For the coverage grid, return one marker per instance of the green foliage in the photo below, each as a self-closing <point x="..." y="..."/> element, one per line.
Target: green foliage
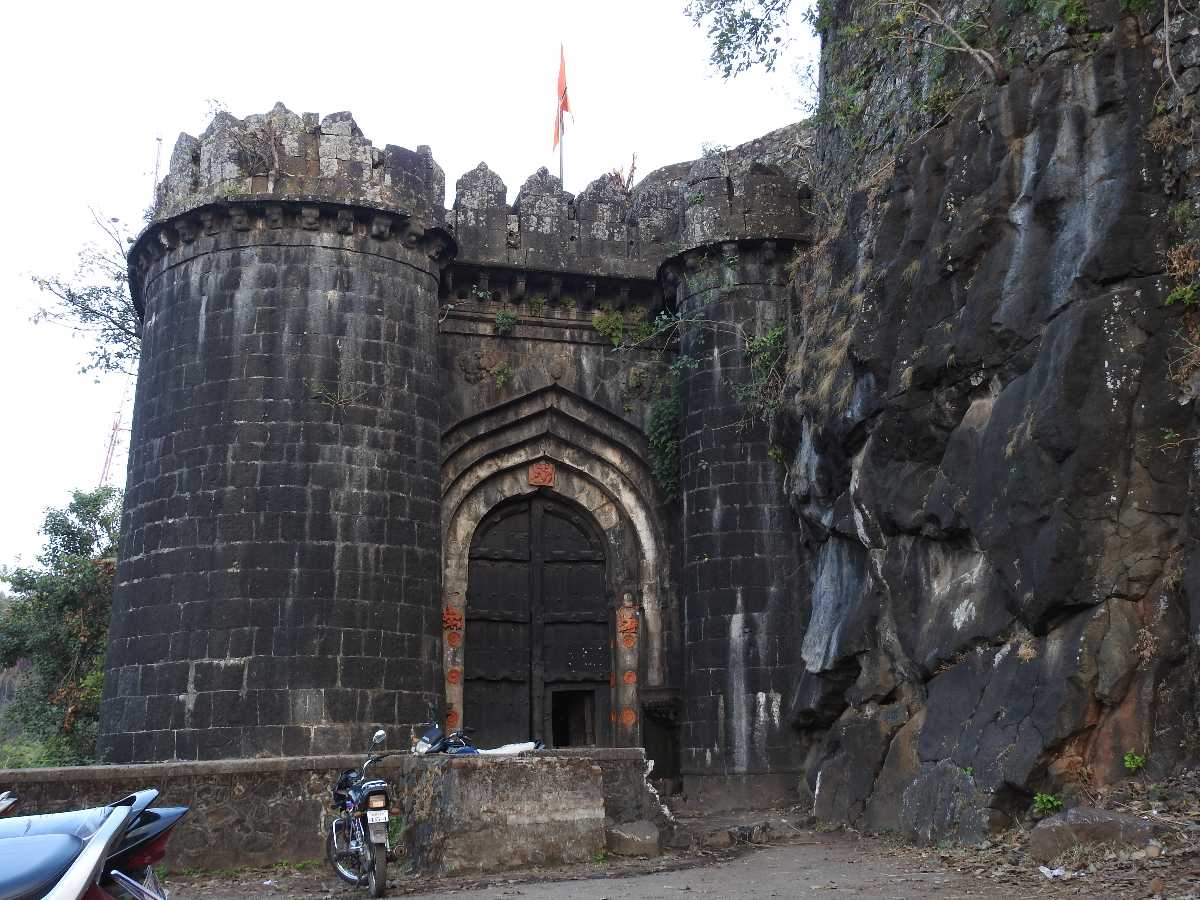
<point x="1185" y="295"/>
<point x="1072" y="12"/>
<point x="665" y="420"/>
<point x="743" y="33"/>
<point x="643" y="332"/>
<point x="95" y="302"/>
<point x="610" y="324"/>
<point x="502" y="374"/>
<point x="1137" y="7"/>
<point x="505" y="322"/>
<point x="1046" y="804"/>
<point x="58" y="621"/>
<point x="1184" y="219"/>
<point x="397" y="825"/>
<point x="480" y="294"/>
<point x="1134" y="763"/>
<point x="763" y="393"/>
<point x="819" y="16"/>
<point x="537" y="305"/>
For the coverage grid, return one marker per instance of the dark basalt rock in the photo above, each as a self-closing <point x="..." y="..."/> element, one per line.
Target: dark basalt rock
<point x="1083" y="826"/>
<point x="978" y="472"/>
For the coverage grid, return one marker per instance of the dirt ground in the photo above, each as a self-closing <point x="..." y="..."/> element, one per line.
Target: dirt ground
<point x="809" y="864"/>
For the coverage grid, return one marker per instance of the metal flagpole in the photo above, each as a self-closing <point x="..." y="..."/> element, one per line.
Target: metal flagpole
<point x="562" y="135"/>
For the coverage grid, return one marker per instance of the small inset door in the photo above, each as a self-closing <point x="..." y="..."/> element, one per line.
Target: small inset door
<point x="536" y="652"/>
<point x="572" y="718"/>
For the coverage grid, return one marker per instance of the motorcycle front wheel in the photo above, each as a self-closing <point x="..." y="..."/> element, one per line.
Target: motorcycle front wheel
<point x="345" y="861"/>
<point x="377" y="874"/>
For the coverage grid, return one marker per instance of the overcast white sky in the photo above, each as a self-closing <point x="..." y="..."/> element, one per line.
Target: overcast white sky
<point x="89" y="86"/>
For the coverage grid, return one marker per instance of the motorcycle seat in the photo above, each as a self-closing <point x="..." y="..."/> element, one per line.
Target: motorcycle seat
<point x="80" y="823"/>
<point x="30" y="866"/>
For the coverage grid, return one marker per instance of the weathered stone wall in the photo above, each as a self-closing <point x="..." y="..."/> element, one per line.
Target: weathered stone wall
<point x="277" y="591"/>
<point x="465" y="814"/>
<point x="741" y="580"/>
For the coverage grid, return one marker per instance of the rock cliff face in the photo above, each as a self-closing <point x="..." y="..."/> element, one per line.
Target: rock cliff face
<point x="983" y="427"/>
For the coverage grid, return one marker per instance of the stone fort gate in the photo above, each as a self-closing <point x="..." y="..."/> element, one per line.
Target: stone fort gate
<point x="387" y="462"/>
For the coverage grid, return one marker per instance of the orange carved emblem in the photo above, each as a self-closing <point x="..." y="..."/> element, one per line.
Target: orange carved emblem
<point x="454" y="676"/>
<point x="627" y="626"/>
<point x="541" y="474"/>
<point x="628" y="717"/>
<point x="454" y="638"/>
<point x="452" y="619"/>
<point x="629" y="677"/>
<point x="452" y="719"/>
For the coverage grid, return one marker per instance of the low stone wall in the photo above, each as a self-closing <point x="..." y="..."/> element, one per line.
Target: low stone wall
<point x="461" y="814"/>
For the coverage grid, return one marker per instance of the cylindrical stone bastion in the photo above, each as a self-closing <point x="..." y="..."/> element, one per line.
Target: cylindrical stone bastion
<point x="277" y="592"/>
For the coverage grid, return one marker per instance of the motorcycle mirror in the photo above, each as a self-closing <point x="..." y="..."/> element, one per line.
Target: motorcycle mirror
<point x="379" y="737"/>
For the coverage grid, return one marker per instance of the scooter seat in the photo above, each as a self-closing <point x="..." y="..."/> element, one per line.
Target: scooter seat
<point x="30" y="866"/>
<point x="80" y="823"/>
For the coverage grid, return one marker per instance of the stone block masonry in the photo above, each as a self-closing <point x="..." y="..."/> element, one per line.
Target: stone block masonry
<point x="278" y="587"/>
<point x="460" y="814"/>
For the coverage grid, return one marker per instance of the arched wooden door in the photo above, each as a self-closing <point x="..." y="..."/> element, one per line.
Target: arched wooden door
<point x="537" y="653"/>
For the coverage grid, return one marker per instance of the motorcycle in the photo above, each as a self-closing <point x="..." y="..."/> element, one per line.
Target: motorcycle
<point x="38" y="852"/>
<point x="7" y="801"/>
<point x="456" y="743"/>
<point x="357" y="843"/>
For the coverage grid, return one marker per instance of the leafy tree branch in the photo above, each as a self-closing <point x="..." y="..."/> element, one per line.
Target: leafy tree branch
<point x="96" y="303"/>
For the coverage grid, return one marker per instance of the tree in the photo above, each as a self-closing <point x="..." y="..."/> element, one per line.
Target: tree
<point x="744" y="33"/>
<point x="95" y="302"/>
<point x="57" y="620"/>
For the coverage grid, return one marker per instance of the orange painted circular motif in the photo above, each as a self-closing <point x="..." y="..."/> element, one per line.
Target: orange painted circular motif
<point x="629" y="677"/>
<point x="629" y="640"/>
<point x="452" y="719"/>
<point x="454" y="676"/>
<point x="454" y="638"/>
<point x="628" y="717"/>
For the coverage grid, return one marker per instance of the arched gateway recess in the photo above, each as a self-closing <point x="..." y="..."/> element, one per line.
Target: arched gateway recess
<point x="537" y="626"/>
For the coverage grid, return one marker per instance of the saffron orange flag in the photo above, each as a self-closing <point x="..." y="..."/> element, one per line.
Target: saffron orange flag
<point x="564" y="105"/>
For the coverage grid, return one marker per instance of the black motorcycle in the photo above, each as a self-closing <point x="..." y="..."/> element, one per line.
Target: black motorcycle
<point x="457" y="743"/>
<point x="434" y="740"/>
<point x="357" y="843"/>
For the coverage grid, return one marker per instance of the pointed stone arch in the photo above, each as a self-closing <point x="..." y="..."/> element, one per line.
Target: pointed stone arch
<point x="598" y="462"/>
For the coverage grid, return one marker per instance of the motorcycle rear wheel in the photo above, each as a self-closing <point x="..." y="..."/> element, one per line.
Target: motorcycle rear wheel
<point x="377" y="874"/>
<point x="342" y="858"/>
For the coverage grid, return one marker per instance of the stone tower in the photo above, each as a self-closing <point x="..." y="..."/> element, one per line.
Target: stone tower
<point x="742" y="568"/>
<point x="278" y="591"/>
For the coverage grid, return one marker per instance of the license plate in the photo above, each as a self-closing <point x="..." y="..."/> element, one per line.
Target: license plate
<point x="376" y="815"/>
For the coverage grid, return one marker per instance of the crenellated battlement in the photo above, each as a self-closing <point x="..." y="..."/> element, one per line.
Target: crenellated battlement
<point x="603" y="245"/>
<point x="284" y="155"/>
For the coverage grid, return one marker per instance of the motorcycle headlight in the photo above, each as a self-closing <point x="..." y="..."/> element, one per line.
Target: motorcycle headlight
<point x="376" y="801"/>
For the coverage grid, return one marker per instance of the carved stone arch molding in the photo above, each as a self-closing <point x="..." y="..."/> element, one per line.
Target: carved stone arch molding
<point x="556" y="442"/>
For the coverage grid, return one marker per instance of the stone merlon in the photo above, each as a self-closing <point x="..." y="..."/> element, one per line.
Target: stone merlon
<point x="754" y="190"/>
<point x="284" y="155"/>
